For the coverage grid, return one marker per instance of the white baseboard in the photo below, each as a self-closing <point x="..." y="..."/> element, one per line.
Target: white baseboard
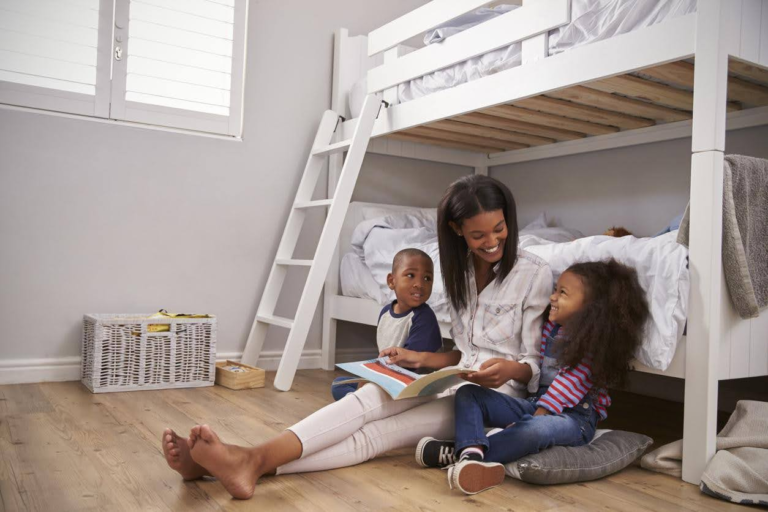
<point x="62" y="369"/>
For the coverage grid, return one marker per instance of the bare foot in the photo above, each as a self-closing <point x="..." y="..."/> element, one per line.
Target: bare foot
<point x="176" y="450"/>
<point x="237" y="468"/>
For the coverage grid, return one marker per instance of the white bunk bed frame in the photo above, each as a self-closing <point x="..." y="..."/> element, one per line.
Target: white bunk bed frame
<point x="723" y="36"/>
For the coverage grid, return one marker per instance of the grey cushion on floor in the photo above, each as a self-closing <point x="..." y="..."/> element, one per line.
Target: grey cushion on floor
<point x="608" y="453"/>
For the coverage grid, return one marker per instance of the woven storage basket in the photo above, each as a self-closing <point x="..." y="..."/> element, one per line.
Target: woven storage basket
<point x="120" y="354"/>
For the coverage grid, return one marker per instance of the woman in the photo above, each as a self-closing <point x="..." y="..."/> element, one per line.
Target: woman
<point x="498" y="295"/>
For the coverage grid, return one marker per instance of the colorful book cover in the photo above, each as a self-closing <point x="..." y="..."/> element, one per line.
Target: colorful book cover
<point x="401" y="383"/>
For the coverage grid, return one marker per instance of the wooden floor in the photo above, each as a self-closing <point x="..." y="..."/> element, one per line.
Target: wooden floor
<point x="65" y="449"/>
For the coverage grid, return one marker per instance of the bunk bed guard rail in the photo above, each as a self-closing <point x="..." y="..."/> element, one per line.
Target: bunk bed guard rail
<point x="529" y="24"/>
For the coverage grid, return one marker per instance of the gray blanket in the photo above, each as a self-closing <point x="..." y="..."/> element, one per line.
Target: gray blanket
<point x="745" y="232"/>
<point x="739" y="470"/>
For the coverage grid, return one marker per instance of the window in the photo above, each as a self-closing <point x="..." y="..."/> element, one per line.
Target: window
<point x="177" y="63"/>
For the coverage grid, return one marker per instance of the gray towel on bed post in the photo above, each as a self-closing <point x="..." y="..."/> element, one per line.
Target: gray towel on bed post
<point x="745" y="232"/>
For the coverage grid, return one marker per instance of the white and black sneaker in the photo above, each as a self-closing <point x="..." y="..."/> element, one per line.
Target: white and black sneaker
<point x="434" y="453"/>
<point x="473" y="476"/>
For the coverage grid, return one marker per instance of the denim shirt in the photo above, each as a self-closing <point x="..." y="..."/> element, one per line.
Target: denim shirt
<point x="504" y="321"/>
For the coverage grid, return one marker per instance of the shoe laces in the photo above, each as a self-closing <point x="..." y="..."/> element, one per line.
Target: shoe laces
<point x="446" y="456"/>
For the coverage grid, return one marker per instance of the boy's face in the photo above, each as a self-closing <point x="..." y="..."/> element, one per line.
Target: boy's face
<point x="412" y="281"/>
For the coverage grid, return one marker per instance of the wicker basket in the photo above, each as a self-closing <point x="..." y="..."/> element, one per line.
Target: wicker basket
<point x="120" y="353"/>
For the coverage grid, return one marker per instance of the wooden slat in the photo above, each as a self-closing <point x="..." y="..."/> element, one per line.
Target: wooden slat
<point x="407" y="137"/>
<point x="654" y="92"/>
<point x="500" y="145"/>
<point x="681" y="75"/>
<point x="756" y="73"/>
<point x="531" y="116"/>
<point x="676" y="73"/>
<point x="491" y="133"/>
<point x="501" y="123"/>
<point x="747" y="92"/>
<point x="584" y="113"/>
<point x="608" y="101"/>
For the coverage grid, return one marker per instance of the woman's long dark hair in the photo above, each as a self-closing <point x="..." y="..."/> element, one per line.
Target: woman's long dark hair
<point x="465" y="198"/>
<point x="609" y="327"/>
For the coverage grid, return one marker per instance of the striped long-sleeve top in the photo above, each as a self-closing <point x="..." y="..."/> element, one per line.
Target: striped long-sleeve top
<point x="567" y="386"/>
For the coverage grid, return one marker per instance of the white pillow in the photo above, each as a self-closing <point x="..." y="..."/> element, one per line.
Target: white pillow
<point x="662" y="269"/>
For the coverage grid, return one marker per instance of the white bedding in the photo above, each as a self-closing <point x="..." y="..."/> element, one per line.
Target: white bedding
<point x="591" y="20"/>
<point x="661" y="264"/>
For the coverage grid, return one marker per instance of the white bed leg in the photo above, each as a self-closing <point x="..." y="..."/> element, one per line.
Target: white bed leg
<point x="331" y="288"/>
<point x="705" y="314"/>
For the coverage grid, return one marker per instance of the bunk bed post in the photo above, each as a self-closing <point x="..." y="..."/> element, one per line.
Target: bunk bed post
<point x="335" y="164"/>
<point x="706" y="203"/>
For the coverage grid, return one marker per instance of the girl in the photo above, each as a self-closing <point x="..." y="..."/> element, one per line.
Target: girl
<point x="596" y="319"/>
<point x="499" y="295"/>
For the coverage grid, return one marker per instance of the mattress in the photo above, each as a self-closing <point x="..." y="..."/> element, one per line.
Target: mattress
<point x="661" y="263"/>
<point x="591" y="21"/>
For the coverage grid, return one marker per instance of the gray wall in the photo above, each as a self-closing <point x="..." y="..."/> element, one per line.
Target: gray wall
<point x="641" y="187"/>
<point x="106" y="218"/>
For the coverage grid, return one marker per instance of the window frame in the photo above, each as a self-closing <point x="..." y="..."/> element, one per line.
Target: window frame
<point x="109" y="99"/>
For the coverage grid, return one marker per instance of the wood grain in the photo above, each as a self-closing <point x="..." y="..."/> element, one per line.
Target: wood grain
<point x="66" y="449"/>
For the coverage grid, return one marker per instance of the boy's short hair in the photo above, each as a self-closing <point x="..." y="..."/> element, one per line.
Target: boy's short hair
<point x="398" y="259"/>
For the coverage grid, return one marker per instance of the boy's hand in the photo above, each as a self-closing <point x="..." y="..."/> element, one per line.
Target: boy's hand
<point x="492" y="374"/>
<point x="402" y="356"/>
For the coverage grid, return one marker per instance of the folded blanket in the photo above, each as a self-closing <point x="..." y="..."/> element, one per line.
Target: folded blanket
<point x="739" y="470"/>
<point x="745" y="232"/>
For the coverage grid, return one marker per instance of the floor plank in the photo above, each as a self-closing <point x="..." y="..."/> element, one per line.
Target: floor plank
<point x="64" y="448"/>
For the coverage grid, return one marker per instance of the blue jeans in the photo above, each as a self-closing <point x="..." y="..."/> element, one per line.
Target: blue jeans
<point x="478" y="407"/>
<point x="339" y="391"/>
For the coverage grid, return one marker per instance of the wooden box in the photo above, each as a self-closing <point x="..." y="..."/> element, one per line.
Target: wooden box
<point x="250" y="376"/>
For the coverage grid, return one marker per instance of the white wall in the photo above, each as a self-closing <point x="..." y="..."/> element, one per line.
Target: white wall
<point x="105" y="218"/>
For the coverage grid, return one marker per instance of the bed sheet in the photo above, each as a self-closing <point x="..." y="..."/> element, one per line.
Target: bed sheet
<point x="591" y="21"/>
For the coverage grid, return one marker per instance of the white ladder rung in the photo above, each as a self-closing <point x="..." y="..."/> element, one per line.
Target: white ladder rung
<point x="313" y="204"/>
<point x="326" y="246"/>
<point x="332" y="148"/>
<point x="293" y="263"/>
<point x="275" y="320"/>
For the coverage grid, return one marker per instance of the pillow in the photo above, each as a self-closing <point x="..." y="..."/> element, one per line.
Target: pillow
<point x="662" y="268"/>
<point x="610" y="451"/>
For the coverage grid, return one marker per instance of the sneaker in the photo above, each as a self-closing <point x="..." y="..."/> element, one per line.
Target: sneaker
<point x="472" y="477"/>
<point x="433" y="453"/>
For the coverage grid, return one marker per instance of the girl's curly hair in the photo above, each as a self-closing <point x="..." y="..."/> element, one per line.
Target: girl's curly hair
<point x="609" y="327"/>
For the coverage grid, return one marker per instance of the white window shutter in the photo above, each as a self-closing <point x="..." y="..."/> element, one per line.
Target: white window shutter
<point x="50" y="55"/>
<point x="182" y="63"/>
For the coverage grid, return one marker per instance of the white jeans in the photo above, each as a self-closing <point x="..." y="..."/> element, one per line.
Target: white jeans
<point x="365" y="424"/>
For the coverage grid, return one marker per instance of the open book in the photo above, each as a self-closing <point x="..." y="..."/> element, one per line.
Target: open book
<point x="402" y="383"/>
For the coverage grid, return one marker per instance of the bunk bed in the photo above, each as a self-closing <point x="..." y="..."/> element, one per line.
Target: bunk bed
<point x="632" y="87"/>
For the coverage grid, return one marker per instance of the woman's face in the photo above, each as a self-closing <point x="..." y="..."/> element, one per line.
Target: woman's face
<point x="485" y="234"/>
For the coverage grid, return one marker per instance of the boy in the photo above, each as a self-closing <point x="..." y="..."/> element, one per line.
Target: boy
<point x="408" y="321"/>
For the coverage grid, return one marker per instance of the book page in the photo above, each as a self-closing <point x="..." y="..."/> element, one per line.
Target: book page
<point x="401" y="383"/>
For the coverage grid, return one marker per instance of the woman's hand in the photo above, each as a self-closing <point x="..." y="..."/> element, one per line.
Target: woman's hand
<point x="493" y="373"/>
<point x="403" y="357"/>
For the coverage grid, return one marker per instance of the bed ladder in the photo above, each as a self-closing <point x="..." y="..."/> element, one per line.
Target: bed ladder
<point x="319" y="265"/>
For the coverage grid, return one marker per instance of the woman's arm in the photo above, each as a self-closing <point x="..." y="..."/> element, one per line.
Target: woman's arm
<point x="495" y="372"/>
<point x="413" y="359"/>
